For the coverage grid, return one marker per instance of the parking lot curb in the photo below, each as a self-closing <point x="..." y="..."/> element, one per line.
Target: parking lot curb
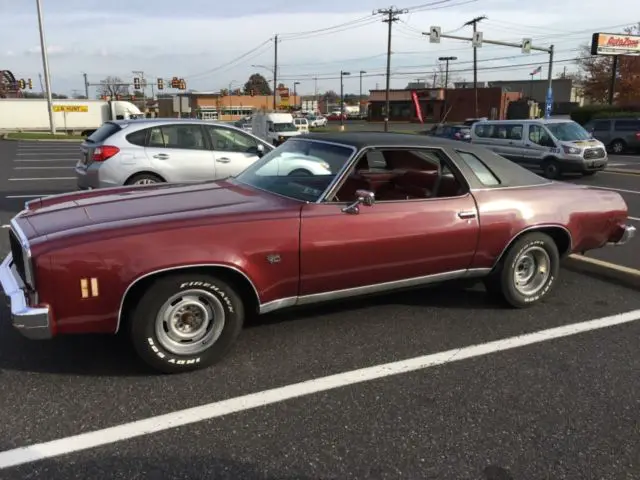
<point x="622" y="170"/>
<point x="628" y="277"/>
<point x="65" y="140"/>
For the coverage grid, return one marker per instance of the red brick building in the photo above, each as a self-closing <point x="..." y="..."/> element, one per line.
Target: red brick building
<point x="434" y="102"/>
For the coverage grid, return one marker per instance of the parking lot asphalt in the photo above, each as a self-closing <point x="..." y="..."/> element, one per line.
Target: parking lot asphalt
<point x="563" y="408"/>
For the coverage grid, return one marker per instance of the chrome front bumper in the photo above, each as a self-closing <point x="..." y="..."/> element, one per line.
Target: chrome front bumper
<point x="628" y="234"/>
<point x="32" y="322"/>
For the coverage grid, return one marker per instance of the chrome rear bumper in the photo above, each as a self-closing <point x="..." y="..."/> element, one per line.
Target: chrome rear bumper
<point x="628" y="233"/>
<point x="31" y="322"/>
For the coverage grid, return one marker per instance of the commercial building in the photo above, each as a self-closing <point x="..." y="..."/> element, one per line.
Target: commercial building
<point x="438" y="104"/>
<point x="216" y="106"/>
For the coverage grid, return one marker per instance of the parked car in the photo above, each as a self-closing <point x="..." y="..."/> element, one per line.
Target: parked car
<point x="554" y="146"/>
<point x="138" y="152"/>
<point x="618" y="134"/>
<point x="177" y="268"/>
<point x="317" y="121"/>
<point x="301" y="124"/>
<point x="454" y="132"/>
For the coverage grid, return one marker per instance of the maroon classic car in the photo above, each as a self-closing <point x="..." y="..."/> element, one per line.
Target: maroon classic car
<point x="178" y="267"/>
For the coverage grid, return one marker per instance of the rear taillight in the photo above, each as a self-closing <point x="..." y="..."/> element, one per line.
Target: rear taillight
<point x="638" y="135"/>
<point x="100" y="154"/>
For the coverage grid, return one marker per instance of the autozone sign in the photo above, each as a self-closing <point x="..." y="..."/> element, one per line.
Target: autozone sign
<point x="615" y="44"/>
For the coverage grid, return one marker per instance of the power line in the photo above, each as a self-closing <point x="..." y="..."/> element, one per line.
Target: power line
<point x="231" y="62"/>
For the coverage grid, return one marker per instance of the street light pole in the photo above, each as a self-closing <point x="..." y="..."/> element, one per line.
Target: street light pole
<point x="342" y="74"/>
<point x="360" y="97"/>
<point x="295" y="93"/>
<point x="45" y="66"/>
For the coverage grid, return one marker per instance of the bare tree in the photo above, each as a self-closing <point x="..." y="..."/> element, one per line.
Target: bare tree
<point x="112" y="86"/>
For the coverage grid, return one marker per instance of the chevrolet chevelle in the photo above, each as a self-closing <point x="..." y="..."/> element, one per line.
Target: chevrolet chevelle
<point x="178" y="267"/>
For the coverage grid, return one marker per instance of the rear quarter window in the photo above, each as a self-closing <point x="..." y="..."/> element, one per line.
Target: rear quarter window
<point x="138" y="138"/>
<point x="105" y="131"/>
<point x="484" y="173"/>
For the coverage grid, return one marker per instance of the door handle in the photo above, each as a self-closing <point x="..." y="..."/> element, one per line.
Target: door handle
<point x="161" y="156"/>
<point x="223" y="160"/>
<point x="467" y="214"/>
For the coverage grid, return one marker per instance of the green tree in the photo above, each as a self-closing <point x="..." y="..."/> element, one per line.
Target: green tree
<point x="258" y="84"/>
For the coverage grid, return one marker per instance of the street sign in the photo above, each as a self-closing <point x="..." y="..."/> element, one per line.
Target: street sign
<point x="526" y="45"/>
<point x="435" y="33"/>
<point x="476" y="40"/>
<point x="548" y="106"/>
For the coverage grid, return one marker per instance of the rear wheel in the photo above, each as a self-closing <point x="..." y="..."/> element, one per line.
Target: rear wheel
<point x="551" y="169"/>
<point x="527" y="272"/>
<point x="186" y="322"/>
<point x="144" y="179"/>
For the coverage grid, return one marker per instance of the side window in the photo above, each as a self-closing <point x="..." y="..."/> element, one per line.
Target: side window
<point x="539" y="136"/>
<point x="601" y="126"/>
<point x="227" y="140"/>
<point x="484" y="173"/>
<point x="138" y="138"/>
<point x="401" y="174"/>
<point x="515" y="132"/>
<point x="627" y="125"/>
<point x="184" y="137"/>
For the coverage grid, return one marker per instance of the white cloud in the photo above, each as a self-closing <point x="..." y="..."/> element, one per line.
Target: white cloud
<point x="105" y="44"/>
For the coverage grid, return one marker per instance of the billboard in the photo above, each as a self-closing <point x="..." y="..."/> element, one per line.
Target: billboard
<point x="615" y="44"/>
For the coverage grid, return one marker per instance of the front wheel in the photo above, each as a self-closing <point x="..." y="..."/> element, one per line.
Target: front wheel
<point x="618" y="146"/>
<point x="551" y="169"/>
<point x="186" y="322"/>
<point x="528" y="271"/>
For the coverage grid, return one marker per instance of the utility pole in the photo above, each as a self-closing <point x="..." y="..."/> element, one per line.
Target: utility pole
<point x="474" y="22"/>
<point x="360" y="97"/>
<point x="391" y="17"/>
<point x="342" y="75"/>
<point x="612" y="82"/>
<point x="275" y="71"/>
<point x="446" y="79"/>
<point x="86" y="85"/>
<point x="315" y="89"/>
<point x="45" y="67"/>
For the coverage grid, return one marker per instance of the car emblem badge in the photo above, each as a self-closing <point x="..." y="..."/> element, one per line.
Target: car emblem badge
<point x="273" y="258"/>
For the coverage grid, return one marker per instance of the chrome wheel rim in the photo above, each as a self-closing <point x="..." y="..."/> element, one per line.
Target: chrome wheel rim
<point x="190" y="322"/>
<point x="532" y="271"/>
<point x="144" y="181"/>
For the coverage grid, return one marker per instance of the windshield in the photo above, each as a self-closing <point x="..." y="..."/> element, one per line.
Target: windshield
<point x="284" y="127"/>
<point x="568" y="131"/>
<point x="300" y="169"/>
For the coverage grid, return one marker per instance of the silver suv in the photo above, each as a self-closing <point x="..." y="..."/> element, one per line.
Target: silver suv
<point x="130" y="152"/>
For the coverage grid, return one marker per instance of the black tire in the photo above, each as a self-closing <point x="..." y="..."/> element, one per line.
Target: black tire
<point x="502" y="282"/>
<point x="618" y="146"/>
<point x="551" y="169"/>
<point x="300" y="172"/>
<point x="161" y="351"/>
<point x="143" y="179"/>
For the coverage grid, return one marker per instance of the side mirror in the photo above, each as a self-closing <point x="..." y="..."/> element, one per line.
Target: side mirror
<point x="363" y="197"/>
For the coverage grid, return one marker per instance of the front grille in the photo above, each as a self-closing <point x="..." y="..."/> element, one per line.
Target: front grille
<point x="18" y="255"/>
<point x="592" y="153"/>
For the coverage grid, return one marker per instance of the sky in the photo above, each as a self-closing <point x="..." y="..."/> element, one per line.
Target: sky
<point x="215" y="44"/>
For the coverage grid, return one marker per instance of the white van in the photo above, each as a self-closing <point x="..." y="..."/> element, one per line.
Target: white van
<point x="274" y="128"/>
<point x="301" y="124"/>
<point x="555" y="146"/>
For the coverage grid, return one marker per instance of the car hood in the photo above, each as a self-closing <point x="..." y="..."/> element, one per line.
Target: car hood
<point x="130" y="206"/>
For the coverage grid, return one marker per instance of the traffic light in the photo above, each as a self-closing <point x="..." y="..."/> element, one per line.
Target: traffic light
<point x="30" y="84"/>
<point x="175" y="83"/>
<point x="136" y="83"/>
<point x="183" y="84"/>
<point x="21" y="84"/>
<point x="160" y="84"/>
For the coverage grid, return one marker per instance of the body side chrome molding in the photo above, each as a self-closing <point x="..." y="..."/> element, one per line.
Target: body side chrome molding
<point x="181" y="267"/>
<point x="371" y="289"/>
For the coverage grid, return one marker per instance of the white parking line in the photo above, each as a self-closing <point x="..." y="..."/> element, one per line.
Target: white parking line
<point x="35" y="179"/>
<point x="83" y="441"/>
<point x="635" y="219"/>
<point x="617" y="189"/>
<point x="28" y="196"/>
<point x="45" y="154"/>
<point x="46" y="160"/>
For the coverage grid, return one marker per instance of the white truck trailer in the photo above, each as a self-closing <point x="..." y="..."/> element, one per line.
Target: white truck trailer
<point x="273" y="127"/>
<point x="72" y="116"/>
